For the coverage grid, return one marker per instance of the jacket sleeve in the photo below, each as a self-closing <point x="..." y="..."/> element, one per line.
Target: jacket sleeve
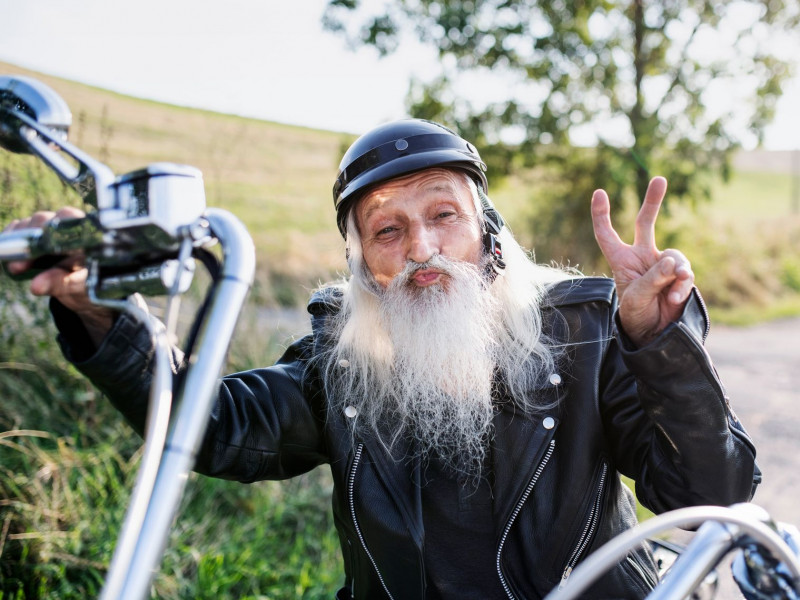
<point x="265" y="424"/>
<point x="678" y="437"/>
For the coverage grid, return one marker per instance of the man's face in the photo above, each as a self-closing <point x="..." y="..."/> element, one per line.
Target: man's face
<point x="414" y="218"/>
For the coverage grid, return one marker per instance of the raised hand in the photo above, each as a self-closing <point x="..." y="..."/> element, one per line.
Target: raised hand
<point x="67" y="280"/>
<point x="653" y="285"/>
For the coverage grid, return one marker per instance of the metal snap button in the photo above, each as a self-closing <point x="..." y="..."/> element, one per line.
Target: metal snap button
<point x="548" y="422"/>
<point x="350" y="412"/>
<point x="555" y="379"/>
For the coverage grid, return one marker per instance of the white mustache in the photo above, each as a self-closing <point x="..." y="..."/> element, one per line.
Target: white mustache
<point x="437" y="261"/>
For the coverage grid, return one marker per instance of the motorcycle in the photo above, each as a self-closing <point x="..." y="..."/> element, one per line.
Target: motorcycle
<point x="144" y="235"/>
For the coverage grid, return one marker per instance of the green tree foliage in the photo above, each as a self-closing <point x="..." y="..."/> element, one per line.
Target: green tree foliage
<point x="639" y="82"/>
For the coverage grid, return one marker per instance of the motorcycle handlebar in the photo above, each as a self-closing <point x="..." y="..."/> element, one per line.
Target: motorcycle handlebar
<point x="19" y="244"/>
<point x="48" y="245"/>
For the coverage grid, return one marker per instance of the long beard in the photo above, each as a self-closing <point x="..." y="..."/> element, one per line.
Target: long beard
<point x="427" y="375"/>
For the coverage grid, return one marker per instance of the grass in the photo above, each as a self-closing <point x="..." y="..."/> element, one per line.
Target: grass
<point x="751" y="195"/>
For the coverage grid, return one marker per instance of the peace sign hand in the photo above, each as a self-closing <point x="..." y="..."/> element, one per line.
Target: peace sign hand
<point x="652" y="285"/>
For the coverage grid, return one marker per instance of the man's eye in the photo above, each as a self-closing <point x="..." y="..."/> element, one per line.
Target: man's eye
<point x="445" y="214"/>
<point x="385" y="231"/>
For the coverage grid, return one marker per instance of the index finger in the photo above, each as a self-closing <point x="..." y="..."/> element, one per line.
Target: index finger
<point x="604" y="231"/>
<point x="69" y="212"/>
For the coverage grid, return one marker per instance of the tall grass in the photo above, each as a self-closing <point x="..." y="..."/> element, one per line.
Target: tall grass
<point x="68" y="463"/>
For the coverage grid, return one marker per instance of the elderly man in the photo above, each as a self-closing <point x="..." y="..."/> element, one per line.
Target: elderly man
<point x="475" y="408"/>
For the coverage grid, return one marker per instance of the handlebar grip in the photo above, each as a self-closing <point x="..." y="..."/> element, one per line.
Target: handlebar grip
<point x="39" y="265"/>
<point x="19" y="244"/>
<point x="48" y="245"/>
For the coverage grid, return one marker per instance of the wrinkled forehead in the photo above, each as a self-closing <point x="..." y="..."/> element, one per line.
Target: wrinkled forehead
<point x="448" y="182"/>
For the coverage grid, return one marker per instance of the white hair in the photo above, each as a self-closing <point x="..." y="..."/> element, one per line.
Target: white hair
<point x="425" y="365"/>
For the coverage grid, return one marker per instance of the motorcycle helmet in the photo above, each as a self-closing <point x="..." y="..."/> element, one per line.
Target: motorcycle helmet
<point x="400" y="148"/>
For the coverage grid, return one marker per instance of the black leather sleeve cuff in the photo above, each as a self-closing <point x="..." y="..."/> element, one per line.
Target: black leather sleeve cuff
<point x="78" y="347"/>
<point x="74" y="340"/>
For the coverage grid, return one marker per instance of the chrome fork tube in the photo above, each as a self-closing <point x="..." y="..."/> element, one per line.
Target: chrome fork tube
<point x="194" y="402"/>
<point x="154" y="437"/>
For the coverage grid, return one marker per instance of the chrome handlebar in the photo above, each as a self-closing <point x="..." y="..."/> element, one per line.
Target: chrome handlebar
<point x="721" y="530"/>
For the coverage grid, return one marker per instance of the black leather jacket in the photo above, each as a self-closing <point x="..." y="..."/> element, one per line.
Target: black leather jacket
<point x="658" y="415"/>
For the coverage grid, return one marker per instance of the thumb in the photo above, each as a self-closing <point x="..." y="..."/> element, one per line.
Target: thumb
<point x="658" y="277"/>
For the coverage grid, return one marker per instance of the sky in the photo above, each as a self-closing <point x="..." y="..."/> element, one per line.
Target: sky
<point x="268" y="59"/>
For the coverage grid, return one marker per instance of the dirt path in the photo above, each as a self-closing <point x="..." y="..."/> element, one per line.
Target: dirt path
<point x="760" y="368"/>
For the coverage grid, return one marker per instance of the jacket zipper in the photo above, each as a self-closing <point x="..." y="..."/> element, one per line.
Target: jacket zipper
<point x="350" y="494"/>
<point x="588" y="530"/>
<point x="704" y="309"/>
<point x="516" y="512"/>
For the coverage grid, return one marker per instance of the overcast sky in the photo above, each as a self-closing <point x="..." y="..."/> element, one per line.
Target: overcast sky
<point x="267" y="59"/>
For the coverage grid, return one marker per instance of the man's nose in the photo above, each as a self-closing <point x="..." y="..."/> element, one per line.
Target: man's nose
<point x="423" y="243"/>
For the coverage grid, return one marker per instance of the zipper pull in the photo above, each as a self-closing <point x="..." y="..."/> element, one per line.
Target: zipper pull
<point x="564" y="577"/>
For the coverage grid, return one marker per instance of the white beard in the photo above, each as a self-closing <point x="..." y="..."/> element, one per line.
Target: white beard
<point x="444" y="347"/>
<point x="421" y="364"/>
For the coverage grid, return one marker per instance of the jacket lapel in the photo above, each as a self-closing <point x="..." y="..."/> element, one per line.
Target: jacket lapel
<point x="401" y="477"/>
<point x="520" y="444"/>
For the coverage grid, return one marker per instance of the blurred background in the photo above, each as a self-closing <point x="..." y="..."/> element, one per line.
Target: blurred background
<point x="264" y="97"/>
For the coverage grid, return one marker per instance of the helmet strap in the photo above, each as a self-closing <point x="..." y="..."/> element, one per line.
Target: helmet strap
<point x="492" y="224"/>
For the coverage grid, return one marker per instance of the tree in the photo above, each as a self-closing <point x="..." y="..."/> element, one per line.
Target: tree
<point x="644" y="88"/>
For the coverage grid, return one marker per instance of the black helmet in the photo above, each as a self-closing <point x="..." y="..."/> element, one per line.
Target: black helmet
<point x="399" y="148"/>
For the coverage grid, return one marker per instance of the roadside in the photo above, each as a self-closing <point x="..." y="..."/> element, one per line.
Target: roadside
<point x="758" y="366"/>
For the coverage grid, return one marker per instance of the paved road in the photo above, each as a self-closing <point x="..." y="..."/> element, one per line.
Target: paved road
<point x="760" y="367"/>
